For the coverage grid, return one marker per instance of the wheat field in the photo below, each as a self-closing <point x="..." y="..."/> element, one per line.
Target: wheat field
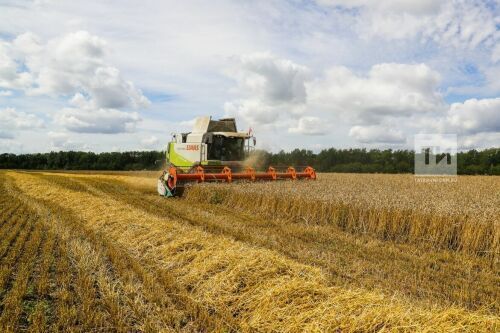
<point x="347" y="253"/>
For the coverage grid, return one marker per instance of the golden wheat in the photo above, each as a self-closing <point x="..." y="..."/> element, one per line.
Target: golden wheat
<point x="355" y="260"/>
<point x="460" y="216"/>
<point x="210" y="280"/>
<point x="56" y="279"/>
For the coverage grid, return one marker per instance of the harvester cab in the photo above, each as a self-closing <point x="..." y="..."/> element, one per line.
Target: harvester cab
<point x="214" y="151"/>
<point x="210" y="143"/>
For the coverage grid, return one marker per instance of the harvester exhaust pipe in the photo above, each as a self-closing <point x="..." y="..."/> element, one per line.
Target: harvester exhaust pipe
<point x="171" y="181"/>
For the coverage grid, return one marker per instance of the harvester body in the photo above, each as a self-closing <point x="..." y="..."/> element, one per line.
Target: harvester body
<point x="214" y="151"/>
<point x="212" y="142"/>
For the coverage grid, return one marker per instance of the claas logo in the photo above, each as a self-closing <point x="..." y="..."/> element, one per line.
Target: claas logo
<point x="192" y="147"/>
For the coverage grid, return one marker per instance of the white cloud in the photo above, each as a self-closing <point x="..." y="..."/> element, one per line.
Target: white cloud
<point x="27" y="44"/>
<point x="150" y="142"/>
<point x="254" y="112"/>
<point x="105" y="121"/>
<point x="6" y="135"/>
<point x="479" y="140"/>
<point x="462" y="24"/>
<point x="109" y="90"/>
<point x="475" y="116"/>
<point x="58" y="137"/>
<point x="162" y="50"/>
<point x="309" y="126"/>
<point x="408" y="6"/>
<point x="388" y="90"/>
<point x="84" y="117"/>
<point x="73" y="64"/>
<point x="67" y="64"/>
<point x="270" y="86"/>
<point x="10" y="146"/>
<point x="374" y="105"/>
<point x="187" y="124"/>
<point x="62" y="141"/>
<point x="10" y="77"/>
<point x="274" y="80"/>
<point x="5" y="93"/>
<point x="495" y="54"/>
<point x="377" y="134"/>
<point x="14" y="120"/>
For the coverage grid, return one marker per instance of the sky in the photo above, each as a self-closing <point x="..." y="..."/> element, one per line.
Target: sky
<point x="124" y="75"/>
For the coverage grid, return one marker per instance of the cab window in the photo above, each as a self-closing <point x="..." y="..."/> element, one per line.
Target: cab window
<point x="226" y="149"/>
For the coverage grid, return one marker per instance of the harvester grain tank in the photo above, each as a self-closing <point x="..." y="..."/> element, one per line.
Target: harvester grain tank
<point x="214" y="151"/>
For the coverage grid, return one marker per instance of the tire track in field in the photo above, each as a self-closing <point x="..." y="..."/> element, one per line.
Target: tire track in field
<point x="7" y="211"/>
<point x="16" y="226"/>
<point x="14" y="250"/>
<point x="32" y="265"/>
<point x="20" y="259"/>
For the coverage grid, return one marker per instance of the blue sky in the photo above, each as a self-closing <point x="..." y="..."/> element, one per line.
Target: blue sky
<point x="102" y="76"/>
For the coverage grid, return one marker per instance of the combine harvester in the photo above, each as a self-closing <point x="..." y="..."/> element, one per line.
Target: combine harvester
<point x="215" y="152"/>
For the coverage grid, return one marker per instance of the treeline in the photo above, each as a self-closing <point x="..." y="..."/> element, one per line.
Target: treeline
<point x="328" y="160"/>
<point x="472" y="162"/>
<point x="78" y="160"/>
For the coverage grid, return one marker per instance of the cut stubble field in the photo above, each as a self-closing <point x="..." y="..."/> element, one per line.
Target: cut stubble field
<point x="351" y="253"/>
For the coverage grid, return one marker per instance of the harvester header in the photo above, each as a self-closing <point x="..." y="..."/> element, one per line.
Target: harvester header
<point x="214" y="151"/>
